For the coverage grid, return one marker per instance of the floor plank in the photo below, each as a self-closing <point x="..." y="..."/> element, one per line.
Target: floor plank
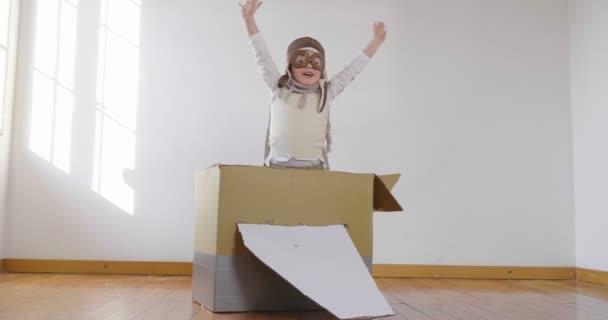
<point x="92" y="297"/>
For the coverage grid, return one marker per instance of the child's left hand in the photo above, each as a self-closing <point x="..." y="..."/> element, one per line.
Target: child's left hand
<point x="379" y="31"/>
<point x="379" y="37"/>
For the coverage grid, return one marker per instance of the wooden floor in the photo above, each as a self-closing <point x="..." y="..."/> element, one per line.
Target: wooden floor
<point x="50" y="296"/>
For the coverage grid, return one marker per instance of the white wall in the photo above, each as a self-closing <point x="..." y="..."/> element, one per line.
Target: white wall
<point x="5" y="136"/>
<point x="589" y="49"/>
<point x="469" y="99"/>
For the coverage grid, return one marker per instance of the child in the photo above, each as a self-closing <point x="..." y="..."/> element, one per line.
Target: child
<point x="298" y="134"/>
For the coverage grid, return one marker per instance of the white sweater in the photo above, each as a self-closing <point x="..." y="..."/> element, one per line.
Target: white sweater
<point x="294" y="132"/>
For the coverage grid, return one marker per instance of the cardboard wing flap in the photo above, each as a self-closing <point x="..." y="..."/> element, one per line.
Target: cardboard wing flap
<point x="321" y="262"/>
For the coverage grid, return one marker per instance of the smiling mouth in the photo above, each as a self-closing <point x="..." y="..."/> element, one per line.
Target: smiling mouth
<point x="308" y="74"/>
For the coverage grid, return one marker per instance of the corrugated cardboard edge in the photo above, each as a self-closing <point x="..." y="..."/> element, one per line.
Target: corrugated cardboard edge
<point x="388" y="179"/>
<point x="206" y="243"/>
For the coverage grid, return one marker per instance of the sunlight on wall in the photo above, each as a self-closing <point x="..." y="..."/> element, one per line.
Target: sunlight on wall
<point x="117" y="99"/>
<point x="53" y="81"/>
<point x="5" y="9"/>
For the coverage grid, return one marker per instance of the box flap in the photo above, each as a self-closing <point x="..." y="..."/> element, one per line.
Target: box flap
<point x="321" y="262"/>
<point x="383" y="198"/>
<point x="390" y="180"/>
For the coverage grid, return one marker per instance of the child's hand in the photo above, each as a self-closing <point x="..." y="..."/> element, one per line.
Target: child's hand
<point x="379" y="37"/>
<point x="249" y="8"/>
<point x="379" y="31"/>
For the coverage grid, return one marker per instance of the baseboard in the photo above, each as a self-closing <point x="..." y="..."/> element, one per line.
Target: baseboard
<point x="472" y="272"/>
<point x="98" y="267"/>
<point x="592" y="276"/>
<point x="378" y="270"/>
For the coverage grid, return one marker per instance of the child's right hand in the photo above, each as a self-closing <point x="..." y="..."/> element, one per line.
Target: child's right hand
<point x="249" y="8"/>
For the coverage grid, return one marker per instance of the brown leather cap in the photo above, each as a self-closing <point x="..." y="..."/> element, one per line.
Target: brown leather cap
<point x="304" y="43"/>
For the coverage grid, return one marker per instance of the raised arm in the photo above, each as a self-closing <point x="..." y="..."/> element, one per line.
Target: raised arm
<point x="348" y="74"/>
<point x="377" y="40"/>
<point x="248" y="10"/>
<point x="266" y="65"/>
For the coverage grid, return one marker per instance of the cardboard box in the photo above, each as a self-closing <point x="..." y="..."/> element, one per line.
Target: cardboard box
<point x="226" y="276"/>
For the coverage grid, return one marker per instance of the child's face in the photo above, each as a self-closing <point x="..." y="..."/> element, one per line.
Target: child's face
<point x="306" y="76"/>
<point x="306" y="66"/>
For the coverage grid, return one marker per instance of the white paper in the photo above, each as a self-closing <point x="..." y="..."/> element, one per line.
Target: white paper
<point x="321" y="262"/>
